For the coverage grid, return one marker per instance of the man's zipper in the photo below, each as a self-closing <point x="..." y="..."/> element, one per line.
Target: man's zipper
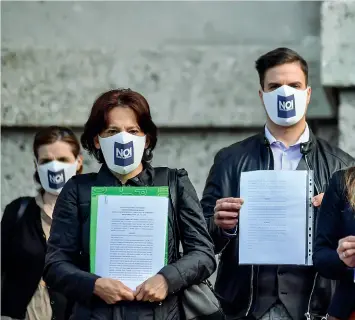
<point x="251" y="291"/>
<point x="308" y="313"/>
<point x="252" y="267"/>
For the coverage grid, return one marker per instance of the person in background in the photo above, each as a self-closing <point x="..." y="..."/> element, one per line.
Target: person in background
<point x="287" y="143"/>
<point x="121" y="119"/>
<point x="334" y="251"/>
<point x="25" y="229"/>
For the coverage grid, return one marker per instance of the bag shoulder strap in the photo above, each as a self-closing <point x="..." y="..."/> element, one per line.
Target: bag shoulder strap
<point x="168" y="177"/>
<point x="174" y="198"/>
<point x="23" y="206"/>
<point x="161" y="176"/>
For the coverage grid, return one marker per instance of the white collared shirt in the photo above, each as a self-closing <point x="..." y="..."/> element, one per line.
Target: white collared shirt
<point x="286" y="158"/>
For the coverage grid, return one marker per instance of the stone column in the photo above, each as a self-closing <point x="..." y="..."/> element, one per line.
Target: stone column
<point x="338" y="64"/>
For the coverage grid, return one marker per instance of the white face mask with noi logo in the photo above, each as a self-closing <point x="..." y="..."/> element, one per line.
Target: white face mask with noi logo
<point x="123" y="152"/>
<point x="53" y="175"/>
<point x="285" y="106"/>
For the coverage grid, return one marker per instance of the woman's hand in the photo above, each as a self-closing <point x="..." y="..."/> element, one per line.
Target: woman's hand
<point x="155" y="289"/>
<point x="112" y="291"/>
<point x="346" y="251"/>
<point x="317" y="200"/>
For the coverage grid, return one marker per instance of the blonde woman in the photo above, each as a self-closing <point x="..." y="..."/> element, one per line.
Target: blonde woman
<point x="334" y="252"/>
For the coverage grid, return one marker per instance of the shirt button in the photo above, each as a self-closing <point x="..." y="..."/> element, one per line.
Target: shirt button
<point x="52" y="302"/>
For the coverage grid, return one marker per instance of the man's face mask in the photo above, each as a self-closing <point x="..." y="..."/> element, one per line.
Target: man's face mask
<point x="285" y="106"/>
<point x="53" y="175"/>
<point x="123" y="152"/>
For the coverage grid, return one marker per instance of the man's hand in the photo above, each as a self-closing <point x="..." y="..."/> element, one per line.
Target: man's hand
<point x="112" y="291"/>
<point x="226" y="212"/>
<point x="346" y="251"/>
<point x="155" y="289"/>
<point x="317" y="200"/>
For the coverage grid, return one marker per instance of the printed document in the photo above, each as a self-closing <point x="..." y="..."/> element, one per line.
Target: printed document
<point x="273" y="219"/>
<point x="129" y="233"/>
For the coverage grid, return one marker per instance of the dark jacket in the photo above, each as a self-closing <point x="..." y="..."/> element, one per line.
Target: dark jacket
<point x="67" y="261"/>
<point x="23" y="249"/>
<point x="336" y="220"/>
<point x="303" y="291"/>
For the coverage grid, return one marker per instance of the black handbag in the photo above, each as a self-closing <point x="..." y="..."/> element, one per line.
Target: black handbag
<point x="198" y="301"/>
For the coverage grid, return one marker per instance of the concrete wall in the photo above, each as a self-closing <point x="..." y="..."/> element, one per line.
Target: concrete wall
<point x="338" y="63"/>
<point x="194" y="61"/>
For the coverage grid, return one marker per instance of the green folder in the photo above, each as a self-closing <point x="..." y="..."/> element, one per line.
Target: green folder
<point x="96" y="192"/>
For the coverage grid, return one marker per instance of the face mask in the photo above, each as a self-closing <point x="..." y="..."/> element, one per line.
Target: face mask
<point x="285" y="106"/>
<point x="53" y="175"/>
<point x="123" y="152"/>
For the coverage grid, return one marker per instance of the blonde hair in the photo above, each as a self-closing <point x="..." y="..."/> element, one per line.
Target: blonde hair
<point x="350" y="185"/>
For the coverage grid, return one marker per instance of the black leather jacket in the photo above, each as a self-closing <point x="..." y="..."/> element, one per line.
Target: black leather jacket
<point x="305" y="291"/>
<point x="68" y="255"/>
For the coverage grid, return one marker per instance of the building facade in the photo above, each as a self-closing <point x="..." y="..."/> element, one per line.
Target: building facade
<point x="193" y="61"/>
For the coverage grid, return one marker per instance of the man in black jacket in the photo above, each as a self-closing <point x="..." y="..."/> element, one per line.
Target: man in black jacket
<point x="287" y="143"/>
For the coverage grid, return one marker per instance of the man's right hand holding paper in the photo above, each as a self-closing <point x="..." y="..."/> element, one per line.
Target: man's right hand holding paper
<point x="226" y="212"/>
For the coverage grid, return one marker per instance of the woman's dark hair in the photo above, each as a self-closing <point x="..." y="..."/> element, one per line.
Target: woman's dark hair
<point x="97" y="121"/>
<point x="52" y="134"/>
<point x="278" y="57"/>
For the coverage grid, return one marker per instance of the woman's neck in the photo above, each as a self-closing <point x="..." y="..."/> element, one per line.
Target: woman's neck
<point x="49" y="198"/>
<point x="125" y="177"/>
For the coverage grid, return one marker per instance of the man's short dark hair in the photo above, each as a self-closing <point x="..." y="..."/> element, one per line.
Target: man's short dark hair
<point x="278" y="57"/>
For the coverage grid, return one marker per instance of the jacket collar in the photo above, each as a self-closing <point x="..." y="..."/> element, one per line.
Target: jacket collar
<point x="106" y="178"/>
<point x="306" y="147"/>
<point x="304" y="138"/>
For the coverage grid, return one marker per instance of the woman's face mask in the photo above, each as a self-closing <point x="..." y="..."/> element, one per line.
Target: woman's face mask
<point x="123" y="152"/>
<point x="285" y="106"/>
<point x="53" y="175"/>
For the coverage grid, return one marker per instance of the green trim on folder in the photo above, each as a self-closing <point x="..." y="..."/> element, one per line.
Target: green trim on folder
<point x="119" y="191"/>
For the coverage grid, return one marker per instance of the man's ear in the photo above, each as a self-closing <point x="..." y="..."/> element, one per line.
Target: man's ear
<point x="261" y="96"/>
<point x="97" y="143"/>
<point x="309" y="93"/>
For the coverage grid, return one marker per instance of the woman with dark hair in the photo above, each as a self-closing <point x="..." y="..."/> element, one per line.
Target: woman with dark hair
<point x="119" y="118"/>
<point x="25" y="228"/>
<point x="334" y="252"/>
